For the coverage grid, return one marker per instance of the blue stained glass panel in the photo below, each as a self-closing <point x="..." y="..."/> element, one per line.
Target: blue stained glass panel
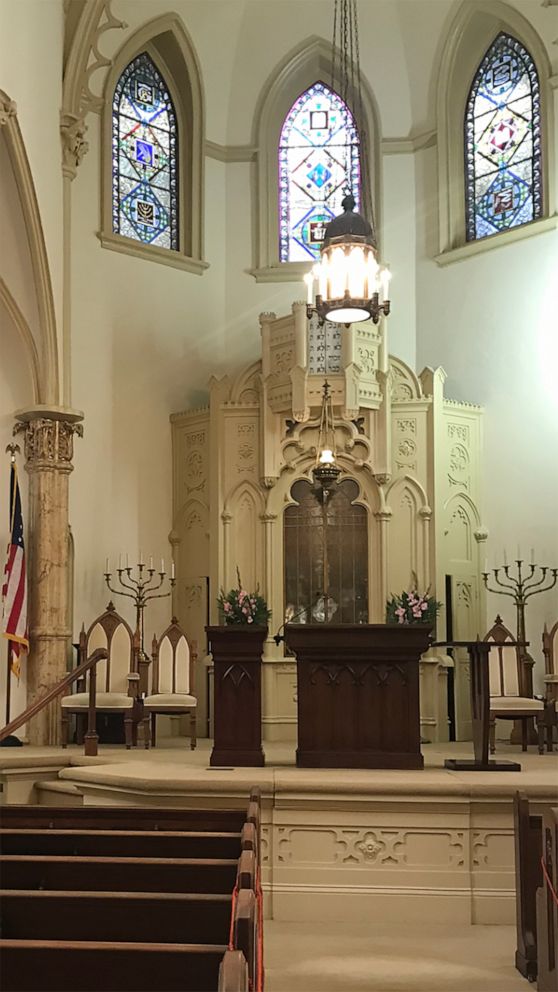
<point x="503" y="185"/>
<point x="319" y="159"/>
<point x="144" y="157"/>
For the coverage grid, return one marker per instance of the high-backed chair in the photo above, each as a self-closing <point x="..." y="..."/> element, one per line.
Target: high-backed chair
<point x="550" y="650"/>
<point x="508" y="700"/>
<point x="117" y="675"/>
<point x="172" y="681"/>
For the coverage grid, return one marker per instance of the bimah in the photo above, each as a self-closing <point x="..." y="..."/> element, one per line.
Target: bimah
<point x="358" y="694"/>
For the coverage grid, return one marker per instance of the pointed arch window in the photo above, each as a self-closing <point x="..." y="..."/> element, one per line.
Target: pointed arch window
<point x="503" y="182"/>
<point x="144" y="157"/>
<point x="319" y="157"/>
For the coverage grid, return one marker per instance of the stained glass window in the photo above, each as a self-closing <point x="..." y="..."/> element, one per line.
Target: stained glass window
<point x="318" y="161"/>
<point x="503" y="141"/>
<point x="144" y="157"/>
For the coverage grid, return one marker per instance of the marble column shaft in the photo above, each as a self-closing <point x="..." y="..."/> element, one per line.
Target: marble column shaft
<point x="48" y="452"/>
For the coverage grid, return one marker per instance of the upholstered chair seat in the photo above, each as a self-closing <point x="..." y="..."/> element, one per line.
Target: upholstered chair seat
<point x="104" y="701"/>
<point x="519" y="705"/>
<point x="169" y="699"/>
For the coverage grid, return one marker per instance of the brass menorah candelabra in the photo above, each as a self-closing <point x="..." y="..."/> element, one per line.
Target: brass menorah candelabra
<point x="141" y="589"/>
<point x="521" y="584"/>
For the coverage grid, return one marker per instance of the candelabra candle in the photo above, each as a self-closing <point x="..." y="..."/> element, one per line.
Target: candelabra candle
<point x="521" y="583"/>
<point x="142" y="589"/>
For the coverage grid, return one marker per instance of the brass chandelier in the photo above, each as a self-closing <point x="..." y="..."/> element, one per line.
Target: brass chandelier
<point x="351" y="285"/>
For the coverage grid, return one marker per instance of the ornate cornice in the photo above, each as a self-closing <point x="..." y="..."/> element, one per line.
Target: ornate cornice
<point x="49" y="442"/>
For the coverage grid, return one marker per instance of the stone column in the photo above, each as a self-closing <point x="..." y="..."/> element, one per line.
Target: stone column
<point x="48" y="434"/>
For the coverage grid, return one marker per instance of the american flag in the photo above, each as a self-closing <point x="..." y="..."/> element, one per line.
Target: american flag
<point x="14" y="590"/>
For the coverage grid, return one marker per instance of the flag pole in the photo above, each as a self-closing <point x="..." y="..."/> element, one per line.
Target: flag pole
<point x="12" y="448"/>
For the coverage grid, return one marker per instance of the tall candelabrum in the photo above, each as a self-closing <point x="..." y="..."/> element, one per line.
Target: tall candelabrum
<point x="528" y="580"/>
<point x="141" y="589"/>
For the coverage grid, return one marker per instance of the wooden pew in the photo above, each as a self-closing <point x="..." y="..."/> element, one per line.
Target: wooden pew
<point x="90" y="966"/>
<point x="233" y="973"/>
<point x="122" y="818"/>
<point x="160" y="918"/>
<point x="547" y="907"/>
<point x="528" y="878"/>
<point x="38" y="871"/>
<point x="123" y="843"/>
<point x="143" y="896"/>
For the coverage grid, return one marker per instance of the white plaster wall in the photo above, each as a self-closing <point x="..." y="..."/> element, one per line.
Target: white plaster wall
<point x="490" y="321"/>
<point x="31" y="37"/>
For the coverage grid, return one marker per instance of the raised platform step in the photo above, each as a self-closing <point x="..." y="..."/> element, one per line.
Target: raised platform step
<point x="87" y="966"/>
<point x="58" y="793"/>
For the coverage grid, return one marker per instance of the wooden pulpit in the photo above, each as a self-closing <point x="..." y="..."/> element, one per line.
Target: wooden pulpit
<point x="237" y="694"/>
<point x="358" y="694"/>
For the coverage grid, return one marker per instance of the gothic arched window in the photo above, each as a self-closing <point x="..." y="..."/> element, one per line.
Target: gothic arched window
<point x="144" y="157"/>
<point x="319" y="158"/>
<point x="503" y="183"/>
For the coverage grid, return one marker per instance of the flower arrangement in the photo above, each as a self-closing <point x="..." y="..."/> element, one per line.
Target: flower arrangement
<point x="240" y="606"/>
<point x="412" y="606"/>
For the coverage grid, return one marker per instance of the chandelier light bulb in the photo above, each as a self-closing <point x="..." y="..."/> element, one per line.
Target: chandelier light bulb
<point x="327" y="457"/>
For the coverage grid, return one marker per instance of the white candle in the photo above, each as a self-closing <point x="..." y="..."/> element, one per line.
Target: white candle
<point x="162" y="565"/>
<point x="486" y="565"/>
<point x="120" y="562"/>
<point x="518" y="553"/>
<point x="140" y="557"/>
<point x="505" y="557"/>
<point x="107" y="564"/>
<point x="385" y="277"/>
<point x="172" y="570"/>
<point x="309" y="280"/>
<point x="151" y="561"/>
<point x="532" y="556"/>
<point x="127" y="562"/>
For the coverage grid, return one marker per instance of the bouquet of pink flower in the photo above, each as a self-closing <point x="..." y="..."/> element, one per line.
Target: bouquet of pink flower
<point x="412" y="607"/>
<point x="240" y="606"/>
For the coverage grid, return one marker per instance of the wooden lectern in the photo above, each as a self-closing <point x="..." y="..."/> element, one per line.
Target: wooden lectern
<point x="358" y="694"/>
<point x="237" y="694"/>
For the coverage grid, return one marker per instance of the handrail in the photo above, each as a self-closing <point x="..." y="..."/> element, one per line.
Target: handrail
<point x="58" y="690"/>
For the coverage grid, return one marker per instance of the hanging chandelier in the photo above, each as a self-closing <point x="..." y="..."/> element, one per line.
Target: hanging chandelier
<point x="351" y="285"/>
<point x="326" y="471"/>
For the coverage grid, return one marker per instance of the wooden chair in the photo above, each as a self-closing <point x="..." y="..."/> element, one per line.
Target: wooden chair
<point x="172" y="681"/>
<point x="550" y="650"/>
<point x="117" y="676"/>
<point x="508" y="700"/>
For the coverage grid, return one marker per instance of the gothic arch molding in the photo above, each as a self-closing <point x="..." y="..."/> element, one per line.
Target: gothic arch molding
<point x="308" y="62"/>
<point x="44" y="353"/>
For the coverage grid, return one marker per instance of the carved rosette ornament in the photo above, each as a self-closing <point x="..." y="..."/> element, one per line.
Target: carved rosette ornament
<point x="49" y="444"/>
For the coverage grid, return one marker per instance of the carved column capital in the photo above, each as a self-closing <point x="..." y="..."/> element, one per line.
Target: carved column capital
<point x="8" y="109"/>
<point x="74" y="145"/>
<point x="49" y="440"/>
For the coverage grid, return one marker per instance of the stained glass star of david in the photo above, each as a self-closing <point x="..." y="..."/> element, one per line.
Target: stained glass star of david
<point x="319" y="157"/>
<point x="144" y="164"/>
<point x="503" y="141"/>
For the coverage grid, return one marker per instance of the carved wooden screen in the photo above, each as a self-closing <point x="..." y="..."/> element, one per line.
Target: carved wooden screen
<point x="331" y="558"/>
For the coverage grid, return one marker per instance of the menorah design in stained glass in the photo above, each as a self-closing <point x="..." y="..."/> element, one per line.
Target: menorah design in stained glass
<point x="144" y="157"/>
<point x="319" y="161"/>
<point x="503" y="142"/>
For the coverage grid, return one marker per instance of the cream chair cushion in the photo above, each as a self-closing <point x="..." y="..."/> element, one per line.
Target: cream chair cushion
<point x="103" y="701"/>
<point x="179" y="700"/>
<point x="515" y="704"/>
